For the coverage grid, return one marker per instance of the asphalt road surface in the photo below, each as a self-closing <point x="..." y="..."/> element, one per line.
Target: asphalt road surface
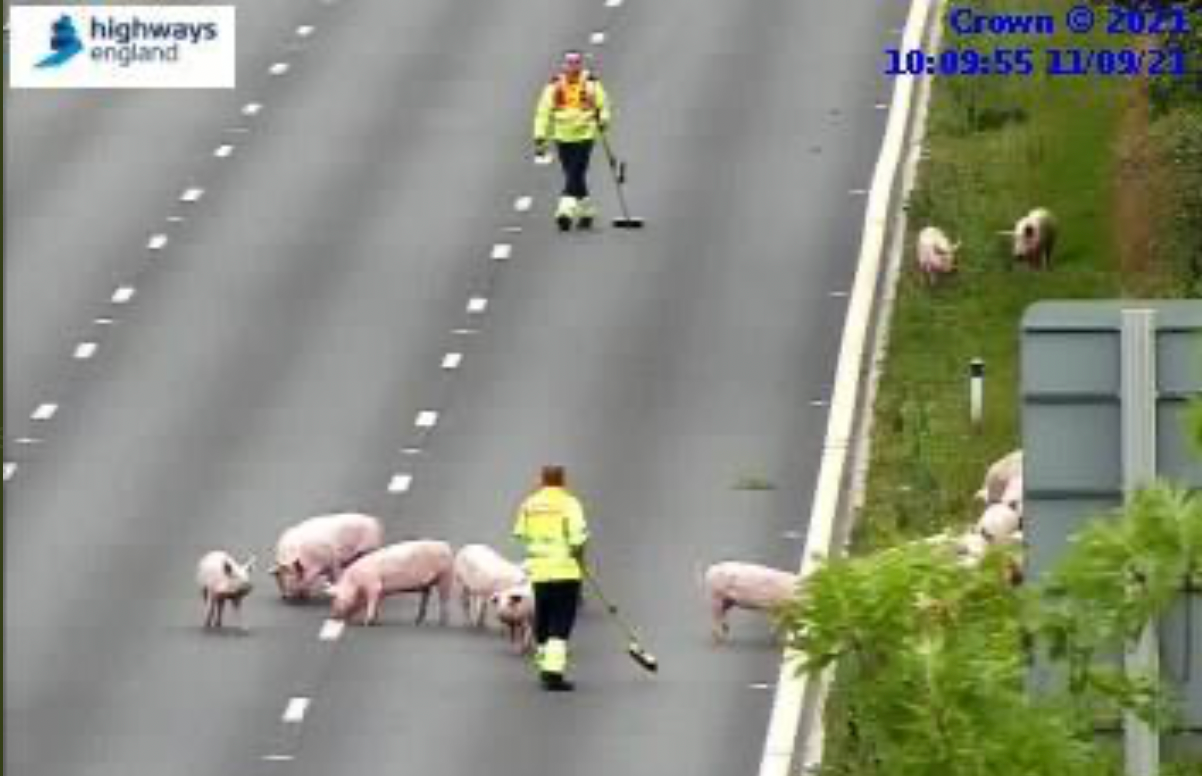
<point x="274" y="353"/>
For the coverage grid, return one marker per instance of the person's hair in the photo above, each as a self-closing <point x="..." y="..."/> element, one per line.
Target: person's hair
<point x="553" y="476"/>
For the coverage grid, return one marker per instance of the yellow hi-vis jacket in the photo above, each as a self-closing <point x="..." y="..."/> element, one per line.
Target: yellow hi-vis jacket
<point x="567" y="110"/>
<point x="550" y="524"/>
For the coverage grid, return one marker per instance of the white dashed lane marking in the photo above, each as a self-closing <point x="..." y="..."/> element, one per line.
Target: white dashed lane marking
<point x="9" y="470"/>
<point x="304" y="31"/>
<point x="223" y="151"/>
<point x="123" y="294"/>
<point x="28" y="441"/>
<point x="331" y="630"/>
<point x="278" y="758"/>
<point x="104" y="321"/>
<point x="452" y="360"/>
<point x="192" y="195"/>
<point x="477" y="304"/>
<point x="502" y="251"/>
<point x="157" y="243"/>
<point x="279" y="68"/>
<point x="522" y="204"/>
<point x="251" y="109"/>
<point x="295" y="711"/>
<point x="400" y="483"/>
<point x="85" y="350"/>
<point x="45" y="412"/>
<point x="597" y="38"/>
<point x="426" y="419"/>
<point x="612" y="3"/>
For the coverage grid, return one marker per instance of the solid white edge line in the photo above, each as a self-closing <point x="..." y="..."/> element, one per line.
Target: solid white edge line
<point x="400" y="483"/>
<point x="295" y="711"/>
<point x="85" y="350"/>
<point x="331" y="630"/>
<point x="44" y="412"/>
<point x="426" y="419"/>
<point x="123" y="295"/>
<point x="501" y="251"/>
<point x="783" y="726"/>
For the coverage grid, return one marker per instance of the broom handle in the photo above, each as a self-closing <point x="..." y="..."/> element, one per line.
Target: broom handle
<point x="613" y="165"/>
<point x="609" y="607"/>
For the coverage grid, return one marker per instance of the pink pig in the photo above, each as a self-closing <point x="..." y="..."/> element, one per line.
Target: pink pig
<point x="745" y="586"/>
<point x="222" y="580"/>
<point x="480" y="571"/>
<point x="409" y="567"/>
<point x="515" y="610"/>
<point x="322" y="547"/>
<point x="936" y="254"/>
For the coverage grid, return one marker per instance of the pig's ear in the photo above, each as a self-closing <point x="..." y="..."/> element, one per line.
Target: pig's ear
<point x="229" y="567"/>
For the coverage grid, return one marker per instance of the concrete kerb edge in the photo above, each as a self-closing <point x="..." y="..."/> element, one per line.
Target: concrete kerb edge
<point x="797" y="703"/>
<point x="854" y="497"/>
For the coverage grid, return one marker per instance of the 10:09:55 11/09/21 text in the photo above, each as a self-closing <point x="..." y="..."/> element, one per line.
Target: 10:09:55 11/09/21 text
<point x="1027" y="62"/>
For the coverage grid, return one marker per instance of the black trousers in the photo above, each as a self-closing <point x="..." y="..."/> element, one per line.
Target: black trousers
<point x="574" y="158"/>
<point x="555" y="609"/>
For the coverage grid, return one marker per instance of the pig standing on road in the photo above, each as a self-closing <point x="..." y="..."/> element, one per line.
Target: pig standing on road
<point x="515" y="610"/>
<point x="746" y="586"/>
<point x="409" y="567"/>
<point x="480" y="571"/>
<point x="1035" y="238"/>
<point x="936" y="254"/>
<point x="222" y="580"/>
<point x="322" y="547"/>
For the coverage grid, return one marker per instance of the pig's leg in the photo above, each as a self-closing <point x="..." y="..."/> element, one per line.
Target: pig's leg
<point x="422" y="605"/>
<point x="466" y="599"/>
<point x="719" y="606"/>
<point x="481" y="610"/>
<point x="208" y="610"/>
<point x="445" y="582"/>
<point x="371" y="612"/>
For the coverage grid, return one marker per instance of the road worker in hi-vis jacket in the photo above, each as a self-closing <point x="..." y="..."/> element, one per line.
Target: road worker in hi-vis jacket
<point x="551" y="527"/>
<point x="571" y="111"/>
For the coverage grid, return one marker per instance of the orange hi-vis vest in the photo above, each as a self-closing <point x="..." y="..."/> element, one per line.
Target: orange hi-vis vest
<point x="569" y="111"/>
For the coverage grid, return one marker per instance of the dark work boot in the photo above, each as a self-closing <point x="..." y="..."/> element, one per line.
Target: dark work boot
<point x="553" y="682"/>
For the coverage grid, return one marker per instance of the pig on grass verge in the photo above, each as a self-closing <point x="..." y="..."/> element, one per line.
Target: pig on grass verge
<point x="321" y="547"/>
<point x="732" y="584"/>
<point x="514" y="608"/>
<point x="481" y="572"/>
<point x="1035" y="238"/>
<point x="419" y="566"/>
<point x="936" y="254"/>
<point x="999" y="476"/>
<point x="222" y="580"/>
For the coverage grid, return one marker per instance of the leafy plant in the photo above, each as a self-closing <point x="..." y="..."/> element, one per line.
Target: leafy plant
<point x="933" y="653"/>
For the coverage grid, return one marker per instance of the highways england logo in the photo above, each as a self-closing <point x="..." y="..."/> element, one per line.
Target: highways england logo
<point x="64" y="43"/>
<point x="114" y="46"/>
